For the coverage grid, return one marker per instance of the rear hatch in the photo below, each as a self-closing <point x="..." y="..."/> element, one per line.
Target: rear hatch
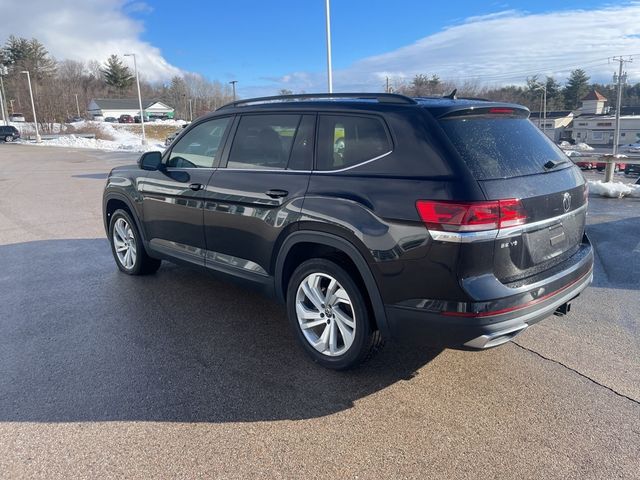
<point x="512" y="159"/>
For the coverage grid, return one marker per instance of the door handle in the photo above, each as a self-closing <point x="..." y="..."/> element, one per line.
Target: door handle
<point x="275" y="193"/>
<point x="196" y="186"/>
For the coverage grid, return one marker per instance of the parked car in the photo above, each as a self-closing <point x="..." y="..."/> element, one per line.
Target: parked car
<point x="125" y="119"/>
<point x="632" y="148"/>
<point x="75" y="119"/>
<point x="17" y="117"/>
<point x="171" y="137"/>
<point x="600" y="166"/>
<point x="631" y="168"/>
<point x="111" y="120"/>
<point x="423" y="225"/>
<point x="9" y="133"/>
<point x="136" y="119"/>
<point x="582" y="161"/>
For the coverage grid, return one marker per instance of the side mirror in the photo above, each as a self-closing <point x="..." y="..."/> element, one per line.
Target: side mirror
<point x="150" y="161"/>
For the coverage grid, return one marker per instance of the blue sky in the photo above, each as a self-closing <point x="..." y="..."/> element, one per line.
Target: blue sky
<point x="253" y="39"/>
<point x="268" y="45"/>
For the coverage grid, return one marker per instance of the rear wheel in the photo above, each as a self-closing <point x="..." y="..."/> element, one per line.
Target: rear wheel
<point x="127" y="247"/>
<point x="8" y="138"/>
<point x="330" y="315"/>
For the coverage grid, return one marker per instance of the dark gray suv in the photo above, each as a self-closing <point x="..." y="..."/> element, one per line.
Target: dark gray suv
<point x="9" y="133"/>
<point x="371" y="216"/>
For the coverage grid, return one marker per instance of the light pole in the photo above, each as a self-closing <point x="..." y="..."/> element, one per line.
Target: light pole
<point x="233" y="85"/>
<point x="329" y="69"/>
<point x="190" y="111"/>
<point x="135" y="69"/>
<point x="33" y="106"/>
<point x="3" y="97"/>
<point x="77" y="105"/>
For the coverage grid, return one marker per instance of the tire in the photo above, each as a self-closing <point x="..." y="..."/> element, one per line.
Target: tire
<point x="124" y="237"/>
<point x="8" y="138"/>
<point x="340" y="328"/>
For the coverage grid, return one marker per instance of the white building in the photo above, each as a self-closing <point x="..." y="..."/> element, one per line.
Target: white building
<point x="555" y="124"/>
<point x="598" y="130"/>
<point x="114" y="107"/>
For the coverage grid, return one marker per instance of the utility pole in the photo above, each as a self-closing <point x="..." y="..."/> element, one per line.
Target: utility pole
<point x="233" y="85"/>
<point x="329" y="67"/>
<point x="190" y="111"/>
<point x="619" y="78"/>
<point x="77" y="105"/>
<point x="387" y="88"/>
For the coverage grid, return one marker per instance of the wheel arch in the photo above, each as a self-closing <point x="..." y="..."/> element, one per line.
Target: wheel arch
<point x="111" y="202"/>
<point x="330" y="241"/>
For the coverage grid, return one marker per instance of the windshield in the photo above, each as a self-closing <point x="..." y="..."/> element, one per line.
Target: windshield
<point x="502" y="147"/>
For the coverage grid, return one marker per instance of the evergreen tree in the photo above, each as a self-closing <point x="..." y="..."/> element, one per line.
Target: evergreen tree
<point x="116" y="74"/>
<point x="576" y="88"/>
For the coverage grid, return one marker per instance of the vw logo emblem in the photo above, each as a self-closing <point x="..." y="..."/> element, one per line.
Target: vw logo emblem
<point x="566" y="201"/>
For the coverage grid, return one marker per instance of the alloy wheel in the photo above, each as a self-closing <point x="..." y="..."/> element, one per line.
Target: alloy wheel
<point x="124" y="243"/>
<point x="325" y="314"/>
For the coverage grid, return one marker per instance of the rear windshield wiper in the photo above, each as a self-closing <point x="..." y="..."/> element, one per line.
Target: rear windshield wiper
<point x="553" y="164"/>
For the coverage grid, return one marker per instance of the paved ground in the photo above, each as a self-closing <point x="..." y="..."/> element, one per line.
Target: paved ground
<point x="178" y="375"/>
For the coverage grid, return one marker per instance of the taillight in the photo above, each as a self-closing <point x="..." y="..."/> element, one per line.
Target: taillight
<point x="471" y="216"/>
<point x="501" y="111"/>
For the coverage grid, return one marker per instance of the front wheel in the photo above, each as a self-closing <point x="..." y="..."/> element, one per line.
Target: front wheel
<point x="8" y="138"/>
<point x="127" y="248"/>
<point x="330" y="315"/>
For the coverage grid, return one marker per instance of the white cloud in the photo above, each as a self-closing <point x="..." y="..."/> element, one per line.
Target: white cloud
<point x="88" y="30"/>
<point x="500" y="48"/>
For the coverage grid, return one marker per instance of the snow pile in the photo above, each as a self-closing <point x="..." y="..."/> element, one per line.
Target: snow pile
<point x="578" y="146"/>
<point x="613" y="189"/>
<point x="582" y="146"/>
<point x="72" y="141"/>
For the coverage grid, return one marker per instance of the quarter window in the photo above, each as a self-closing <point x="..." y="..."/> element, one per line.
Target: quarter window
<point x="263" y="141"/>
<point x="199" y="147"/>
<point x="345" y="141"/>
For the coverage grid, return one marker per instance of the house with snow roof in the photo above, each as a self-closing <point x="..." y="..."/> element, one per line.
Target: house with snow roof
<point x="114" y="107"/>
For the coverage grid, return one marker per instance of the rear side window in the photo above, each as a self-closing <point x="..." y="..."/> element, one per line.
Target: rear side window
<point x="345" y="141"/>
<point x="501" y="147"/>
<point x="263" y="141"/>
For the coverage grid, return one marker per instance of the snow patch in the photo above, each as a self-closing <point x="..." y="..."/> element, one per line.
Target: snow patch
<point x="613" y="189"/>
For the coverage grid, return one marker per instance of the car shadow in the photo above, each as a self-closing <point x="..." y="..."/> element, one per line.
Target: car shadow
<point x="617" y="247"/>
<point x="80" y="341"/>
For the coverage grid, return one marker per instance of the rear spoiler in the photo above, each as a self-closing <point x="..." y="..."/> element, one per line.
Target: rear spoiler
<point x="507" y="110"/>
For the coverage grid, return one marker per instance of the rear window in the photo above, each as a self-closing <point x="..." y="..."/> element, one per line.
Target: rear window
<point x="501" y="147"/>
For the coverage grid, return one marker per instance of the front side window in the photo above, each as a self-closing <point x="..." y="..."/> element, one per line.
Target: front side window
<point x="263" y="141"/>
<point x="345" y="141"/>
<point x="199" y="147"/>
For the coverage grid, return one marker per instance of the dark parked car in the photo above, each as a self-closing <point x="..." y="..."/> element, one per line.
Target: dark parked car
<point x="111" y="120"/>
<point x="125" y="119"/>
<point x="9" y="133"/>
<point x="432" y="219"/>
<point x="171" y="137"/>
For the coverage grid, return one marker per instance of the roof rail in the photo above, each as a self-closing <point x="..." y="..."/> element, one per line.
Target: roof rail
<point x="380" y="97"/>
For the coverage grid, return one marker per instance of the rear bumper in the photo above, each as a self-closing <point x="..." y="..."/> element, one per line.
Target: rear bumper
<point x="490" y="328"/>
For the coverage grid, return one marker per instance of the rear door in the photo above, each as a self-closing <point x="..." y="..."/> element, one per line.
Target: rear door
<point x="511" y="158"/>
<point x="173" y="197"/>
<point x="257" y="192"/>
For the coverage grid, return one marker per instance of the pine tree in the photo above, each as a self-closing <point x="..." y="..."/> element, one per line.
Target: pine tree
<point x="116" y="74"/>
<point x="576" y="88"/>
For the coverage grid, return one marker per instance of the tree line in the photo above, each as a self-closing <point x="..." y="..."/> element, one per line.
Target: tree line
<point x="565" y="96"/>
<point x="58" y="83"/>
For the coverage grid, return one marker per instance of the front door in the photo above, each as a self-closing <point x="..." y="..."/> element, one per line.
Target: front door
<point x="257" y="192"/>
<point x="173" y="197"/>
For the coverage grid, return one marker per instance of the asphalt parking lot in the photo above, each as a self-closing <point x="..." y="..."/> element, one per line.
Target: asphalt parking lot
<point x="179" y="375"/>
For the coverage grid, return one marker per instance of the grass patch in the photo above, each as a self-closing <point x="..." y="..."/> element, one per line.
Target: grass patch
<point x="90" y="129"/>
<point x="153" y="131"/>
